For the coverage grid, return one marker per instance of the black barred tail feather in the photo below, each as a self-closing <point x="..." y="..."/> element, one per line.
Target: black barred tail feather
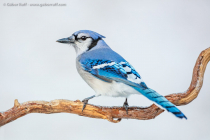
<point x="162" y="101"/>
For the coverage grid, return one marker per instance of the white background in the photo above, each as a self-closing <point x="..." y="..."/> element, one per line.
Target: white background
<point x="161" y="39"/>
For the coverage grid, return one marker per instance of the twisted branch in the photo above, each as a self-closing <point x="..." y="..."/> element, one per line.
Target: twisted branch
<point x="109" y="113"/>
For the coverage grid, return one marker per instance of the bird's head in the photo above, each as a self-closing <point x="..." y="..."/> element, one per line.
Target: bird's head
<point x="82" y="41"/>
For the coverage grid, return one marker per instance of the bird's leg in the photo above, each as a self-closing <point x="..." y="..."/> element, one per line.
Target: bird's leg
<point x="125" y="105"/>
<point x="85" y="101"/>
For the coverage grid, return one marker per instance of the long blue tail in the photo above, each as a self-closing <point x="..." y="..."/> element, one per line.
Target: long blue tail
<point x="162" y="101"/>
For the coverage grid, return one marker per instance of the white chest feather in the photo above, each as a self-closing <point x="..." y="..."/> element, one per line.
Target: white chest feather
<point x="114" y="89"/>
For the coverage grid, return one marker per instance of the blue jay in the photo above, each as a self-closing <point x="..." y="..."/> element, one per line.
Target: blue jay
<point x="108" y="73"/>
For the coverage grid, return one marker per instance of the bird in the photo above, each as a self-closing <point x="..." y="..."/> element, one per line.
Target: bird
<point x="108" y="73"/>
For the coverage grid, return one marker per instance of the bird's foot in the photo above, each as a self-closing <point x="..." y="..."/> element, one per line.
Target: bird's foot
<point x="125" y="105"/>
<point x="85" y="101"/>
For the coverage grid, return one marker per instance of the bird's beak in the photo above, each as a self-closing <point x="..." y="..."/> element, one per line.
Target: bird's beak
<point x="67" y="40"/>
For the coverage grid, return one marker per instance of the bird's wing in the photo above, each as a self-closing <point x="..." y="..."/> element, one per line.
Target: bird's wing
<point x="107" y="70"/>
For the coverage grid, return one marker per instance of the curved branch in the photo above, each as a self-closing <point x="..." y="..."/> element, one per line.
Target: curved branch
<point x="109" y="113"/>
<point x="196" y="83"/>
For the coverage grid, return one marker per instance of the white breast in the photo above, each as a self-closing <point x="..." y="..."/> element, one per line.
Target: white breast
<point x="114" y="89"/>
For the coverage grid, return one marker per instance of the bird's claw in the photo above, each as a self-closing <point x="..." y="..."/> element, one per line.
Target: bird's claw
<point x="85" y="101"/>
<point x="125" y="105"/>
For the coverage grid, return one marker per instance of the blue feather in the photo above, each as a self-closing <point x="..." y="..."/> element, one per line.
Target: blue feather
<point x="161" y="100"/>
<point x="93" y="34"/>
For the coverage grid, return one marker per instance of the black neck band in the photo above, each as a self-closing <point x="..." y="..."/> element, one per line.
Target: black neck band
<point x="93" y="44"/>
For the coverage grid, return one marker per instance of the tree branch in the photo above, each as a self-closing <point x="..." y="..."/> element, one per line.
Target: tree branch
<point x="109" y="113"/>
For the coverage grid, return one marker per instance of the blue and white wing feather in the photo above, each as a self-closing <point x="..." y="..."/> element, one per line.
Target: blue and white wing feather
<point x="120" y="72"/>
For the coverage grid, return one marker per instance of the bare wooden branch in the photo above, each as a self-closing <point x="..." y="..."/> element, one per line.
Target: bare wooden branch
<point x="196" y="83"/>
<point x="75" y="107"/>
<point x="110" y="113"/>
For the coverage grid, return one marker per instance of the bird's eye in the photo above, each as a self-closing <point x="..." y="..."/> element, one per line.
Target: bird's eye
<point x="83" y="37"/>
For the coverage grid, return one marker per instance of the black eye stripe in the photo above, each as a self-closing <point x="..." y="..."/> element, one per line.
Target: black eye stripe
<point x="76" y="37"/>
<point x="84" y="38"/>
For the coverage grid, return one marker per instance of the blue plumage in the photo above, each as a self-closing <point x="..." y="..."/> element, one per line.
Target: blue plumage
<point x="161" y="100"/>
<point x="110" y="74"/>
<point x="133" y="71"/>
<point x="108" y="69"/>
<point x="94" y="35"/>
